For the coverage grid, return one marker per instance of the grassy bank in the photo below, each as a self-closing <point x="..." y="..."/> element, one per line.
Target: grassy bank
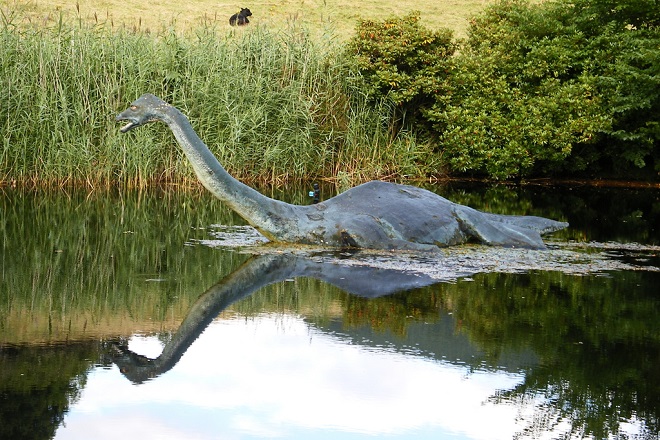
<point x="270" y="104"/>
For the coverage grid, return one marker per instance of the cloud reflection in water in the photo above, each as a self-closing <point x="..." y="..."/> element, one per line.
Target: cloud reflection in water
<point x="276" y="376"/>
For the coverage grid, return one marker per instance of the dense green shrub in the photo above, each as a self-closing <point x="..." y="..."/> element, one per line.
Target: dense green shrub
<point x="402" y="61"/>
<point x="515" y="102"/>
<point x="537" y="88"/>
<point x="591" y="15"/>
<point x="554" y="87"/>
<point x="623" y="58"/>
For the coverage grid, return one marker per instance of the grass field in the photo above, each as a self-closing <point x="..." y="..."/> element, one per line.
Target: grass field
<point x="340" y="16"/>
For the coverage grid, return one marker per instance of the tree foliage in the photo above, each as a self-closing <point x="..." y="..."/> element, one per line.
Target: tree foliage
<point x="402" y="61"/>
<point x="552" y="87"/>
<point x="537" y="88"/>
<point x="516" y="100"/>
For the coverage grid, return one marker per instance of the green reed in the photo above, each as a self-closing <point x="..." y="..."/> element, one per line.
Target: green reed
<point x="272" y="105"/>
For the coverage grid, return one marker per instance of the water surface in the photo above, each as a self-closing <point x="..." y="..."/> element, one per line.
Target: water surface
<point x="133" y="314"/>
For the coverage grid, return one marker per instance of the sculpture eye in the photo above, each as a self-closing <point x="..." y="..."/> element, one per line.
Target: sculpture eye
<point x="134" y="107"/>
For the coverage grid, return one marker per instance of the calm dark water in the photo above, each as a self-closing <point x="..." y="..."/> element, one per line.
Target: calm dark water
<point x="123" y="315"/>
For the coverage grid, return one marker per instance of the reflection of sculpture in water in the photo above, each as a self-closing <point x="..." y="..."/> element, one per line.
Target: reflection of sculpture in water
<point x="375" y="215"/>
<point x="582" y="382"/>
<point x="254" y="274"/>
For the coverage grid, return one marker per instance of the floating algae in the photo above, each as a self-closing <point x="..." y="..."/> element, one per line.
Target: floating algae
<point x="453" y="263"/>
<point x="234" y="237"/>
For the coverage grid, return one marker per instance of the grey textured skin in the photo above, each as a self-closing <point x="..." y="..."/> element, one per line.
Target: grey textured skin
<point x="375" y="215"/>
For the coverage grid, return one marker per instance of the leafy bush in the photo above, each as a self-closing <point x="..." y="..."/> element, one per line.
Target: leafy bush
<point x="553" y="87"/>
<point x="626" y="74"/>
<point x="516" y="103"/>
<point x="537" y="88"/>
<point x="401" y="61"/>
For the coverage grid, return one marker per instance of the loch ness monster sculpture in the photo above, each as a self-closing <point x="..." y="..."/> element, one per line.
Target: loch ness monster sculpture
<point x="374" y="215"/>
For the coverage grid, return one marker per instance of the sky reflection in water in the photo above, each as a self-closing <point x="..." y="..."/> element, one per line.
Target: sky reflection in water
<point x="116" y="266"/>
<point x="276" y="376"/>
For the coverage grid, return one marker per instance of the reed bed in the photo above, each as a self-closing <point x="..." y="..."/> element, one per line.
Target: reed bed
<point x="272" y="105"/>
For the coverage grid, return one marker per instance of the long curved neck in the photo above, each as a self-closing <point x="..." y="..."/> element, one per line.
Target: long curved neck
<point x="254" y="274"/>
<point x="272" y="218"/>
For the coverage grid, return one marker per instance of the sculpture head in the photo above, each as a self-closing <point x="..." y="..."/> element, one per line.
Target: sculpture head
<point x="147" y="108"/>
<point x="134" y="367"/>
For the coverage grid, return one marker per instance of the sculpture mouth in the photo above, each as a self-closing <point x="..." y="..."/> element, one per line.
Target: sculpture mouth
<point x="127" y="115"/>
<point x="128" y="126"/>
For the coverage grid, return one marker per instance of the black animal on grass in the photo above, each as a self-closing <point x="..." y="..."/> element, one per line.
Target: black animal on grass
<point x="240" y="18"/>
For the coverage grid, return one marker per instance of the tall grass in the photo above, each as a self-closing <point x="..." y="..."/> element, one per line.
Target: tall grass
<point x="270" y="105"/>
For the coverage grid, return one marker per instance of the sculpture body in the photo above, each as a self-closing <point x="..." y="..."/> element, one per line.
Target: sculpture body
<point x="375" y="215"/>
